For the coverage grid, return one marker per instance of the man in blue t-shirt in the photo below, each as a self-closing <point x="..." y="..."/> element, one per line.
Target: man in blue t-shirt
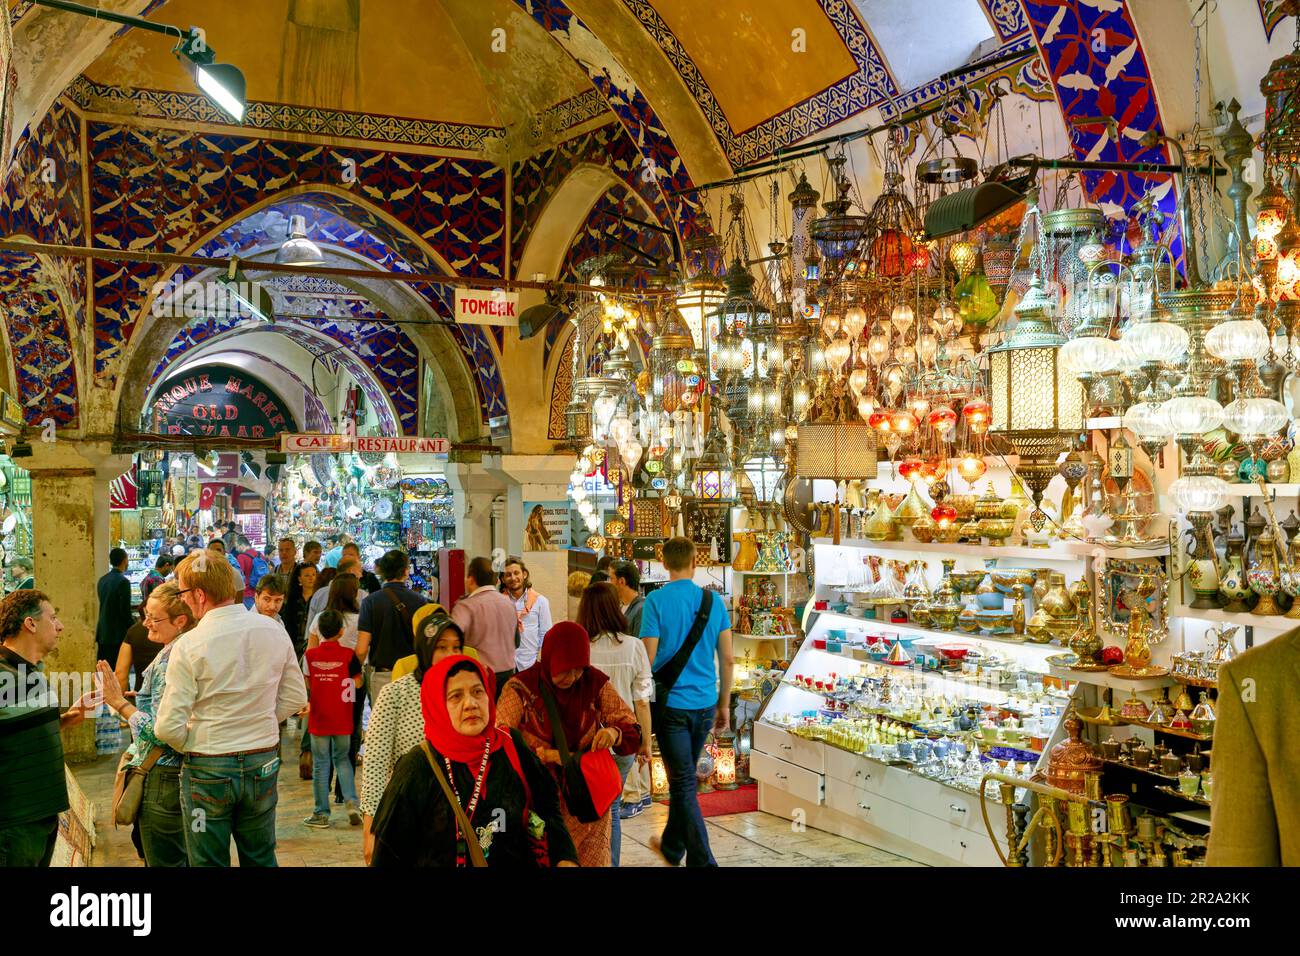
<point x="698" y="702"/>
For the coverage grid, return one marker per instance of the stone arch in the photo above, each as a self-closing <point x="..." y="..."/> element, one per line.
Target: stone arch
<point x="437" y="343"/>
<point x="563" y="214"/>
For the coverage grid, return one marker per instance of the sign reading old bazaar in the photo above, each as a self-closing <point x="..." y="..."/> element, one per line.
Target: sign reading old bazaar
<point x="218" y="402"/>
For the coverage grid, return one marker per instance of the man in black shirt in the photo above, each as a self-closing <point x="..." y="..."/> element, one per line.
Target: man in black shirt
<point x="33" y="788"/>
<point x="384" y="630"/>
<point x="115" y="617"/>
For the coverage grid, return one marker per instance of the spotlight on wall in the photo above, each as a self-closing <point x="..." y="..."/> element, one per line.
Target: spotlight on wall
<point x="223" y="83"/>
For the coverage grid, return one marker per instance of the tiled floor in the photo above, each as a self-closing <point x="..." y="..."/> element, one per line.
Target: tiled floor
<point x="741" y="839"/>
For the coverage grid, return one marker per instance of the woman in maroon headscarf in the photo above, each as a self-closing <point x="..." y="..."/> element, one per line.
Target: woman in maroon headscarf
<point x="592" y="713"/>
<point x="489" y="770"/>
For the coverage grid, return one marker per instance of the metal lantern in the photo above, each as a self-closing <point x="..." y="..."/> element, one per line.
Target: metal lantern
<point x="711" y="477"/>
<point x="724" y="761"/>
<point x="1037" y="402"/>
<point x="658" y="772"/>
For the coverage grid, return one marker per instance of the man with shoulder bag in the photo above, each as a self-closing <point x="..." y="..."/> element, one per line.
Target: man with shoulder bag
<point x="385" y="633"/>
<point x="687" y="636"/>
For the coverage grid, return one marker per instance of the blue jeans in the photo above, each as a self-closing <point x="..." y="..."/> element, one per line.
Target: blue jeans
<point x="681" y="736"/>
<point x="325" y="750"/>
<point x="616" y="830"/>
<point x="162" y="825"/>
<point x="234" y="796"/>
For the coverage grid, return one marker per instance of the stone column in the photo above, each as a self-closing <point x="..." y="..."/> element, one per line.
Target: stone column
<point x="473" y="490"/>
<point x="535" y="478"/>
<point x="70" y="538"/>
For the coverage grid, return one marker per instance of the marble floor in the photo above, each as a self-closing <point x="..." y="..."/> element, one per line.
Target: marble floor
<point x="740" y="839"/>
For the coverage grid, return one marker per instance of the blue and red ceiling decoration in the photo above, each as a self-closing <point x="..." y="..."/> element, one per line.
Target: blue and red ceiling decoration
<point x="1272" y="13"/>
<point x="155" y="188"/>
<point x="1095" y="58"/>
<point x="42" y="201"/>
<point x="660" y="160"/>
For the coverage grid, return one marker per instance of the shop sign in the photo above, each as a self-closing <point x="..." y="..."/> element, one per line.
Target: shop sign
<point x="487" y="307"/>
<point x="313" y="444"/>
<point x="303" y="443"/>
<point x="218" y="402"/>
<point x="399" y="446"/>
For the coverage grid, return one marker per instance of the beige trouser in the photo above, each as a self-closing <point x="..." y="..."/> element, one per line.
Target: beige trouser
<point x="637" y="785"/>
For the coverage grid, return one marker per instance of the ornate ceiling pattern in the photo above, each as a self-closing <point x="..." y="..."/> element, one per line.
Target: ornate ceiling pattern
<point x="153" y="188"/>
<point x="1272" y="12"/>
<point x="869" y="86"/>
<point x="38" y="344"/>
<point x="172" y="106"/>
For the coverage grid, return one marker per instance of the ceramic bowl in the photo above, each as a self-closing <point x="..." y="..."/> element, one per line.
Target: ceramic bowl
<point x="966" y="581"/>
<point x="996" y="530"/>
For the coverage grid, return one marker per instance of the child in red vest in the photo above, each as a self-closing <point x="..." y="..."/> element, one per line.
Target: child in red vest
<point x="332" y="671"/>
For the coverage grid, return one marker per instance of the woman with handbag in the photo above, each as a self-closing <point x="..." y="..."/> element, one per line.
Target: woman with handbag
<point x="470" y="794"/>
<point x="148" y="792"/>
<point x="570" y="715"/>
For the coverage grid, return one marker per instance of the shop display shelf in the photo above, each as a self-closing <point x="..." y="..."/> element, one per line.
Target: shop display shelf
<point x="908" y="766"/>
<point x="1274" y="623"/>
<point x="1201" y="817"/>
<point x="761" y="574"/>
<point x="1159" y="728"/>
<point x="1105" y="423"/>
<point x="1144" y="771"/>
<point x="1057" y="551"/>
<point x="1084" y="549"/>
<point x="1199" y="798"/>
<point x="1201" y="682"/>
<point x="932" y="636"/>
<point x="765" y="637"/>
<point x="1283" y="490"/>
<point x="1113" y="681"/>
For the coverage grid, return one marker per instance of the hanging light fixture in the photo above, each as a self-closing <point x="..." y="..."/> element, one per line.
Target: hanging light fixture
<point x="1036" y="401"/>
<point x="297" y="249"/>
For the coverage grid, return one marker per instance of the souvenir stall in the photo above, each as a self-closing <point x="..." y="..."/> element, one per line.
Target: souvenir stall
<point x="360" y="494"/>
<point x="1018" y="475"/>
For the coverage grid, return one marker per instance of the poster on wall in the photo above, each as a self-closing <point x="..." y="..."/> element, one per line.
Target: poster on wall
<point x="546" y="525"/>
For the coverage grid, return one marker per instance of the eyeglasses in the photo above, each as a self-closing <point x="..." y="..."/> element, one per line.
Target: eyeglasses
<point x="157" y="621"/>
<point x="185" y="591"/>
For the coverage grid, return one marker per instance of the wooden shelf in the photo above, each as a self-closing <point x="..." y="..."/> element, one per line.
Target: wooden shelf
<point x="1164" y="729"/>
<point x="1243" y="490"/>
<point x="1105" y="424"/>
<point x="1199" y="798"/>
<point x="774" y="574"/>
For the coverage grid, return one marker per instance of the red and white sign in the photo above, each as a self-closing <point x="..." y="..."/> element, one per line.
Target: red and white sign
<point x="399" y="446"/>
<point x="307" y="444"/>
<point x="487" y="307"/>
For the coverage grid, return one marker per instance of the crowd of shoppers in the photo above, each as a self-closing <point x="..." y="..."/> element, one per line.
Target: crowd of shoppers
<point x="474" y="709"/>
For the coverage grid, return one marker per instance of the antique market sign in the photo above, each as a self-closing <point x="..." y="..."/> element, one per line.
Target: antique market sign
<point x="487" y="307"/>
<point x="219" y="402"/>
<point x="315" y="444"/>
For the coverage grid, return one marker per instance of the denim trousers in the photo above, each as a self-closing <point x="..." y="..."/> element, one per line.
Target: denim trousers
<point x="162" y="825"/>
<point x="324" y="752"/>
<point x="681" y="735"/>
<point x="616" y="830"/>
<point x="29" y="844"/>
<point x="224" y="797"/>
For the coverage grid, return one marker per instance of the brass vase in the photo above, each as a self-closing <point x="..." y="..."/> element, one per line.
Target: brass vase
<point x="1057" y="602"/>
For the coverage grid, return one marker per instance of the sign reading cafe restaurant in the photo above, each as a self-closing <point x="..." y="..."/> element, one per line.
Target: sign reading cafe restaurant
<point x="214" y="401"/>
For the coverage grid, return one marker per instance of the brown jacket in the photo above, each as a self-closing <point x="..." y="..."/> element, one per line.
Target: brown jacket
<point x="1255" y="820"/>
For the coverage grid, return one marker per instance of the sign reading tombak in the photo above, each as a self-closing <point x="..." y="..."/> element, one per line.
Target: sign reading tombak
<point x="487" y="307"/>
<point x="308" y="444"/>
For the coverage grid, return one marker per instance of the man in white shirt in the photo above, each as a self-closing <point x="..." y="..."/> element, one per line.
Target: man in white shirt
<point x="230" y="681"/>
<point x="532" y="608"/>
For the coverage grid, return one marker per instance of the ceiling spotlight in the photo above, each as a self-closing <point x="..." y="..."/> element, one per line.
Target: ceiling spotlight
<point x="223" y="83"/>
<point x="298" y="250"/>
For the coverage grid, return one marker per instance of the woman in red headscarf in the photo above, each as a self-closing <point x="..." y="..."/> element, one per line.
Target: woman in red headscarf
<point x="489" y="771"/>
<point x="594" y="717"/>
